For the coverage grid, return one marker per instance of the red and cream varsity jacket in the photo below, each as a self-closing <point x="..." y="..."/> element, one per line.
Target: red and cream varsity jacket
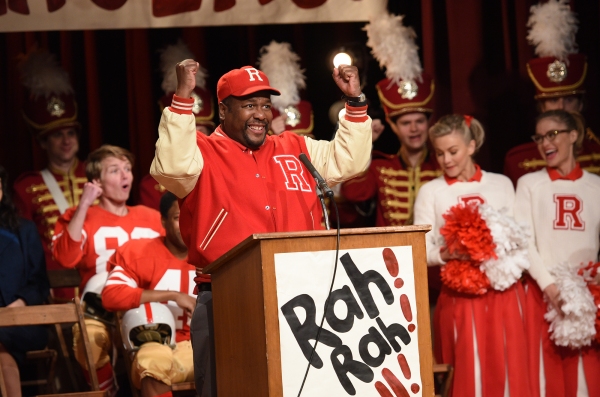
<point x="229" y="191"/>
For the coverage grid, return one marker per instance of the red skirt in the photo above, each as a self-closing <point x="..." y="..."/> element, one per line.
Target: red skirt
<point x="560" y="363"/>
<point x="498" y="322"/>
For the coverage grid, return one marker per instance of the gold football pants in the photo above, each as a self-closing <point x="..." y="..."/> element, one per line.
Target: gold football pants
<point x="100" y="343"/>
<point x="163" y="363"/>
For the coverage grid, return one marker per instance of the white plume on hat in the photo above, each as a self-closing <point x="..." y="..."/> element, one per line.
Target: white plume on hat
<point x="393" y="45"/>
<point x="171" y="56"/>
<point x="42" y="75"/>
<point x="552" y="29"/>
<point x="282" y="67"/>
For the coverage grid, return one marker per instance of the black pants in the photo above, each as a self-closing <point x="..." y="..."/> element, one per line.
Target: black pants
<point x="203" y="344"/>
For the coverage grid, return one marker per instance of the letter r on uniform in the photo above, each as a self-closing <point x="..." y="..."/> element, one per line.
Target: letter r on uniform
<point x="568" y="212"/>
<point x="471" y="199"/>
<point x="253" y="72"/>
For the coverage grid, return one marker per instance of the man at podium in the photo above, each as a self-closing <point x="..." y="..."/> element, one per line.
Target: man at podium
<point x="239" y="181"/>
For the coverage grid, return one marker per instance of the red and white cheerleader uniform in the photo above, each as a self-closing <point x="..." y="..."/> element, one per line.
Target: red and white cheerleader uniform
<point x="564" y="216"/>
<point x="482" y="336"/>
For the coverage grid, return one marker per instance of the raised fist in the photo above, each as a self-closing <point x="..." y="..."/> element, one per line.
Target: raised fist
<point x="377" y="128"/>
<point x="186" y="77"/>
<point x="347" y="79"/>
<point x="91" y="191"/>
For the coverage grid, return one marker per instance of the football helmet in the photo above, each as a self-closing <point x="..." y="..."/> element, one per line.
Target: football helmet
<point x="151" y="322"/>
<point x="92" y="299"/>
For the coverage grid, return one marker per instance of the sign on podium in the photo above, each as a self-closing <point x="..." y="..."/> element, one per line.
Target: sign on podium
<point x="269" y="296"/>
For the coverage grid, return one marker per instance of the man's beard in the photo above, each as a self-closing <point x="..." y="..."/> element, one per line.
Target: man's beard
<point x="253" y="144"/>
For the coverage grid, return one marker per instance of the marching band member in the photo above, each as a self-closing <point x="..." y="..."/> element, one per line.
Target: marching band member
<point x="51" y="114"/>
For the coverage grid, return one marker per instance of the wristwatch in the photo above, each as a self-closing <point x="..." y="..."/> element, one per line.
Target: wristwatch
<point x="360" y="100"/>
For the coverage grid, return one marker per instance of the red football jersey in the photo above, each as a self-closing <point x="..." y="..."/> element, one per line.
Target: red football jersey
<point x="148" y="265"/>
<point x="103" y="232"/>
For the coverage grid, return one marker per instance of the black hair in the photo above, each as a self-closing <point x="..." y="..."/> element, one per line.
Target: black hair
<point x="9" y="217"/>
<point x="166" y="202"/>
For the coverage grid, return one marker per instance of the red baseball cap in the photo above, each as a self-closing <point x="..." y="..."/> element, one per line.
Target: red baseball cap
<point x="243" y="81"/>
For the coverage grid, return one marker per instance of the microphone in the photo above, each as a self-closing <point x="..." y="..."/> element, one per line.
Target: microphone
<point x="320" y="181"/>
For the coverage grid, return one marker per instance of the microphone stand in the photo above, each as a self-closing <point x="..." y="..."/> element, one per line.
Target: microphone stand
<point x="322" y="199"/>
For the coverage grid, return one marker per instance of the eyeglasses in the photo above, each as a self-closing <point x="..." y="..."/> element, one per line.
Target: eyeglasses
<point x="550" y="135"/>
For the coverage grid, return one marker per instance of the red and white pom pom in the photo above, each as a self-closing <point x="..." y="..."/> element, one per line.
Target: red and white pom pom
<point x="576" y="328"/>
<point x="592" y="277"/>
<point x="496" y="244"/>
<point x="511" y="242"/>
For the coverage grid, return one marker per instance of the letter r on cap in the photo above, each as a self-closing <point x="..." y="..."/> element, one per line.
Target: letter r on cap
<point x="253" y="72"/>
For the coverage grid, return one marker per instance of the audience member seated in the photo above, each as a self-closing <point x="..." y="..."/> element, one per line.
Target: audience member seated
<point x="23" y="281"/>
<point x="87" y="235"/>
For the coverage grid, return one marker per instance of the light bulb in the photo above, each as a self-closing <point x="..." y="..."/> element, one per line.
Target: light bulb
<point x="342" y="58"/>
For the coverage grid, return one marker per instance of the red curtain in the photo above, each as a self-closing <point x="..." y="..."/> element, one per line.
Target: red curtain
<point x="476" y="50"/>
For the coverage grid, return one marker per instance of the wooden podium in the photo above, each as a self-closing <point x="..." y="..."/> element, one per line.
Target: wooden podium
<point x="246" y="307"/>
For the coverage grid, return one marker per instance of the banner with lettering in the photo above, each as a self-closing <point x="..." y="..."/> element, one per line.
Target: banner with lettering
<point x="368" y="345"/>
<point x="40" y="15"/>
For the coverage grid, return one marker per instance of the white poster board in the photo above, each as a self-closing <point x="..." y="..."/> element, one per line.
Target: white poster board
<point x="39" y="15"/>
<point x="369" y="340"/>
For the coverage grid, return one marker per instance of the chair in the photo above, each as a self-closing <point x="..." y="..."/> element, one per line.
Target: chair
<point x="443" y="373"/>
<point x="64" y="278"/>
<point x="48" y="359"/>
<point x="52" y="314"/>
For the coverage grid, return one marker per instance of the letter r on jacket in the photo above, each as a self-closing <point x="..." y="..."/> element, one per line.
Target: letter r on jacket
<point x="292" y="172"/>
<point x="568" y="212"/>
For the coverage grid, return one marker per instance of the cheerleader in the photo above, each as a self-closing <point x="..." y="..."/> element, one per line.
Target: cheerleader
<point x="560" y="205"/>
<point x="480" y="333"/>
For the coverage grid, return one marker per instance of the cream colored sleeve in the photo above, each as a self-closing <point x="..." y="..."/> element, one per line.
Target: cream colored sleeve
<point x="424" y="213"/>
<point x="523" y="212"/>
<point x="347" y="155"/>
<point x="177" y="162"/>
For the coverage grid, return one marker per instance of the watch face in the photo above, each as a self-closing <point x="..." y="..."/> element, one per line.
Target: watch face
<point x="361" y="98"/>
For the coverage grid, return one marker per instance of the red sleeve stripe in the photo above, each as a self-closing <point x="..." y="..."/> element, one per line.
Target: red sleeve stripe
<point x="181" y="105"/>
<point x="356" y="114"/>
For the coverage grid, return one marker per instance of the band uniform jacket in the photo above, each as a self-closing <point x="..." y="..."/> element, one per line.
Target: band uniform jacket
<point x="395" y="184"/>
<point x="34" y="201"/>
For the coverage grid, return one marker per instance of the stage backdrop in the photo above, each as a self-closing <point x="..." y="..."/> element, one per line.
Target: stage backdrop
<point x="475" y="49"/>
<point x="24" y="15"/>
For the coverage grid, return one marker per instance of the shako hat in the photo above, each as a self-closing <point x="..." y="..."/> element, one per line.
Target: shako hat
<point x="50" y="104"/>
<point x="282" y="67"/>
<point x="406" y="89"/>
<point x="204" y="106"/>
<point x="559" y="70"/>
